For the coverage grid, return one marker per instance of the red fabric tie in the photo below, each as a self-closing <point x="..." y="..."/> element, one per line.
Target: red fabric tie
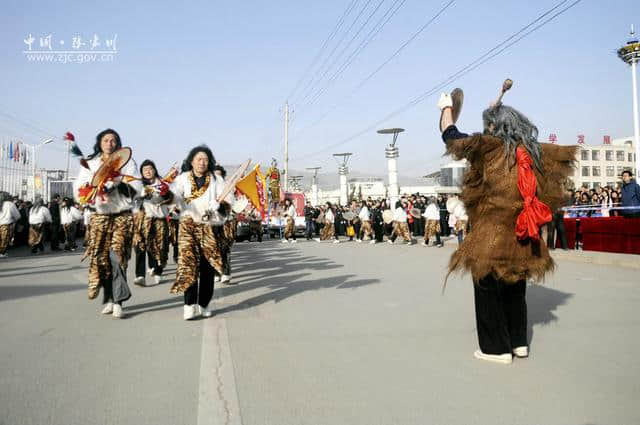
<point x="534" y="212"/>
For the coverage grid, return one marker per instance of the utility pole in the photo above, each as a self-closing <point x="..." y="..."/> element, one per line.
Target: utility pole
<point x="286" y="147"/>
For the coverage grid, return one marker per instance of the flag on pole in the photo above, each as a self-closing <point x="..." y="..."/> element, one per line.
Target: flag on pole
<point x="607" y="140"/>
<point x="1" y="150"/>
<point x="11" y="150"/>
<point x="16" y="154"/>
<point x="581" y="139"/>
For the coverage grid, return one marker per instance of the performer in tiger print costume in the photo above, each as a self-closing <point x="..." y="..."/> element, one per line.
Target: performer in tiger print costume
<point x="196" y="192"/>
<point x="151" y="238"/>
<point x="111" y="229"/>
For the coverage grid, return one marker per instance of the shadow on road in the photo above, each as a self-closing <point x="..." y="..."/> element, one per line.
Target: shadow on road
<point x="542" y="302"/>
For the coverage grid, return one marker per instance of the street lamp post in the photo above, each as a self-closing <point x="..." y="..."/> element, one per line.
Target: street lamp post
<point x="630" y="54"/>
<point x="34" y="149"/>
<point x="392" y="153"/>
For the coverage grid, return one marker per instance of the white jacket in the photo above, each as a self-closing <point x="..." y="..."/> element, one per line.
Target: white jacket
<point x="364" y="214"/>
<point x="432" y="212"/>
<point x="460" y="212"/>
<point x="329" y="217"/>
<point x="9" y="213"/>
<point x="291" y="212"/>
<point x="400" y="215"/>
<point x="39" y="215"/>
<point x="114" y="202"/>
<point x="152" y="207"/>
<point x="69" y="215"/>
<point x="196" y="209"/>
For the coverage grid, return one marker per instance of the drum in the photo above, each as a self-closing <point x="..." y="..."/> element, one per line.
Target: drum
<point x="348" y="215"/>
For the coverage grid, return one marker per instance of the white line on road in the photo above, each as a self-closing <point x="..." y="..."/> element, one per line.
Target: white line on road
<point x="217" y="396"/>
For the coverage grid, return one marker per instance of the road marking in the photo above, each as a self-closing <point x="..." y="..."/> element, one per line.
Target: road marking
<point x="217" y="396"/>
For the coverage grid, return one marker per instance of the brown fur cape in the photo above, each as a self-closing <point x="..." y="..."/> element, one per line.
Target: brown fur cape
<point x="493" y="203"/>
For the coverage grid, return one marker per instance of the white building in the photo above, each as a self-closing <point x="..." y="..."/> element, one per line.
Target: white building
<point x="602" y="165"/>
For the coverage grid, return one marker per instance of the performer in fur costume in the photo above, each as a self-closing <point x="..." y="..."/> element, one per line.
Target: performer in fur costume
<point x="512" y="184"/>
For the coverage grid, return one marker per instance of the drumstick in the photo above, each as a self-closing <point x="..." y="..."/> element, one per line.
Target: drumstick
<point x="508" y="83"/>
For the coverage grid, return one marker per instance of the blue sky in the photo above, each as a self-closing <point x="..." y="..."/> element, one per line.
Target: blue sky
<point x="220" y="72"/>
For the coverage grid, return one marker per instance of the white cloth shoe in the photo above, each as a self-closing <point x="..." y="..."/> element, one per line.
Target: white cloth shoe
<point x="191" y="311"/>
<point x="390" y="241"/>
<point x="317" y="239"/>
<point x="294" y="241"/>
<point x="216" y="279"/>
<point x="5" y="255"/>
<point x="359" y="240"/>
<point x="225" y="279"/>
<point x="157" y="279"/>
<point x="139" y="281"/>
<point x="506" y="358"/>
<point x="336" y="241"/>
<point x="521" y="352"/>
<point x="108" y="308"/>
<point x="285" y="241"/>
<point x="206" y="311"/>
<point x="373" y="242"/>
<point x="117" y="311"/>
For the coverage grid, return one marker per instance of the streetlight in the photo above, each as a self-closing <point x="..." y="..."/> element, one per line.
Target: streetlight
<point x="33" y="162"/>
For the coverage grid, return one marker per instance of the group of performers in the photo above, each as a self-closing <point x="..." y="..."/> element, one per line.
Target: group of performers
<point x="136" y="210"/>
<point x="510" y="188"/>
<point x="371" y="220"/>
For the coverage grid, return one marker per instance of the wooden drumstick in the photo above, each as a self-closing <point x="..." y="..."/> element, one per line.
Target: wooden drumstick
<point x="508" y="83"/>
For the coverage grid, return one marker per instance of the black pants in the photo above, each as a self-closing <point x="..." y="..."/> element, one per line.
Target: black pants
<point x="201" y="292"/>
<point x="501" y="315"/>
<point x="140" y="266"/>
<point x="55" y="236"/>
<point x="556" y="225"/>
<point x="226" y="261"/>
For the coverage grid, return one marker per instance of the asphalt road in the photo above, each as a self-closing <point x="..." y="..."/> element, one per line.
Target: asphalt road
<point x="315" y="334"/>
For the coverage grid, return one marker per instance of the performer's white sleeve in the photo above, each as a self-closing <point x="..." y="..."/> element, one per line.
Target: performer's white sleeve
<point x="84" y="177"/>
<point x="47" y="215"/>
<point x="131" y="169"/>
<point x="15" y="213"/>
<point x="177" y="188"/>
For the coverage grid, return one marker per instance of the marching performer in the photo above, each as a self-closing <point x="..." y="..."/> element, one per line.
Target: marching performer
<point x="111" y="227"/>
<point x="512" y="184"/>
<point x="400" y="226"/>
<point x="69" y="215"/>
<point x="432" y="225"/>
<point x="39" y="219"/>
<point x="290" y="217"/>
<point x="9" y="215"/>
<point x="328" y="231"/>
<point x="196" y="191"/>
<point x="227" y="233"/>
<point x="462" y="220"/>
<point x="255" y="224"/>
<point x="365" y="219"/>
<point x="151" y="238"/>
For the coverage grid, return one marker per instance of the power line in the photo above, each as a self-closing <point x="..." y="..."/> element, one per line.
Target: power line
<point x="375" y="30"/>
<point x="324" y="45"/>
<point x="493" y="52"/>
<point x="313" y="81"/>
<point x="371" y="75"/>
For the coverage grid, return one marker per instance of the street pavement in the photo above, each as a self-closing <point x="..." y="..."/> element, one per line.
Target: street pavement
<point x="317" y="333"/>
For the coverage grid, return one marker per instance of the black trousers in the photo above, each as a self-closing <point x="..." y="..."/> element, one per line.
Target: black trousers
<point x="556" y="225"/>
<point x="140" y="266"/>
<point x="501" y="315"/>
<point x="55" y="235"/>
<point x="201" y="292"/>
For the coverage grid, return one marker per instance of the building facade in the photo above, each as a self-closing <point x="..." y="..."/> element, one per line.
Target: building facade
<point x="602" y="165"/>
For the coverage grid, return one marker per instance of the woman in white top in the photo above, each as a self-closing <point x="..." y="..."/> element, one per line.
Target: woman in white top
<point x="151" y="239"/>
<point x="365" y="217"/>
<point x="432" y="224"/>
<point x="109" y="247"/>
<point x="196" y="191"/>
<point x="290" y="227"/>
<point x="400" y="226"/>
<point x="329" y="230"/>
<point x="461" y="221"/>
<point x="69" y="215"/>
<point x="39" y="218"/>
<point x="9" y="214"/>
